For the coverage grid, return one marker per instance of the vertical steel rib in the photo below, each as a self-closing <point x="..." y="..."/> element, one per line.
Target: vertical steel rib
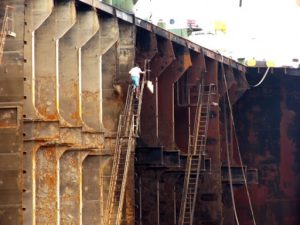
<point x="197" y="148"/>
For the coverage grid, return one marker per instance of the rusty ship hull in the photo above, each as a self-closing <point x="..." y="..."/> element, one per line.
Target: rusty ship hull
<point x="64" y="79"/>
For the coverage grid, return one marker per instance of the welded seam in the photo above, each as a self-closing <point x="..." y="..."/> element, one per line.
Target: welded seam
<point x="33" y="68"/>
<point x="100" y="92"/>
<point x="57" y="73"/>
<point x="57" y="186"/>
<point x="80" y="84"/>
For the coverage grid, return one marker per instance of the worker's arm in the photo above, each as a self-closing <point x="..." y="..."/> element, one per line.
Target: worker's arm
<point x="142" y="72"/>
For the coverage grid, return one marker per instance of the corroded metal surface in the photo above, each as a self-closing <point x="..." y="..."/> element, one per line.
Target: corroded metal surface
<point x="10" y="164"/>
<point x="45" y="139"/>
<point x="270" y="143"/>
<point x="70" y="192"/>
<point x="63" y="84"/>
<point x="185" y="97"/>
<point x="46" y="46"/>
<point x="166" y="92"/>
<point x="36" y="12"/>
<point x="92" y="84"/>
<point x="209" y="204"/>
<point x="161" y="60"/>
<point x="46" y="182"/>
<point x="11" y="114"/>
<point x="147" y="51"/>
<point x="70" y="77"/>
<point x="96" y="175"/>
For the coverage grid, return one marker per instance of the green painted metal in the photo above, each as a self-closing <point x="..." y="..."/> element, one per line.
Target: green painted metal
<point x="108" y="1"/>
<point x="181" y="32"/>
<point x="161" y="24"/>
<point x="126" y="5"/>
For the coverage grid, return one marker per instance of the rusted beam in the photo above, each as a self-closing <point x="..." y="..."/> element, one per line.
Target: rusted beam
<point x="163" y="58"/>
<point x="166" y="101"/>
<point x="239" y="87"/>
<point x="126" y="53"/>
<point x="126" y="49"/>
<point x="46" y="58"/>
<point x="95" y="183"/>
<point x="198" y="71"/>
<point x="92" y="64"/>
<point x="146" y="46"/>
<point x="70" y="77"/>
<point x="112" y="100"/>
<point x="57" y="170"/>
<point x="198" y="68"/>
<point x="70" y="187"/>
<point x="28" y="196"/>
<point x="185" y="114"/>
<point x="148" y="52"/>
<point x="149" y="119"/>
<point x="118" y="61"/>
<point x="210" y="193"/>
<point x="36" y="12"/>
<point x="46" y="185"/>
<point x="39" y="134"/>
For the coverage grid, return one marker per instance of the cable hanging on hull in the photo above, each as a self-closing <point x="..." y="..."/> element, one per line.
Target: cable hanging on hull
<point x="238" y="149"/>
<point x="262" y="79"/>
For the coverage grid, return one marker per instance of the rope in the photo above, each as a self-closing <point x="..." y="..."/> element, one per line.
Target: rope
<point x="235" y="135"/>
<point x="244" y="177"/>
<point x="227" y="152"/>
<point x="262" y="79"/>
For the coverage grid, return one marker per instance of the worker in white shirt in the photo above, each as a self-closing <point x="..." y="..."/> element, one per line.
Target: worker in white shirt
<point x="135" y="74"/>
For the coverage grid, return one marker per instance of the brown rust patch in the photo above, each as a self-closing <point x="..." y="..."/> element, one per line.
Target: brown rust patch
<point x="50" y="180"/>
<point x="46" y="186"/>
<point x="90" y="95"/>
<point x="8" y="118"/>
<point x="49" y="155"/>
<point x="76" y="116"/>
<point x="43" y="110"/>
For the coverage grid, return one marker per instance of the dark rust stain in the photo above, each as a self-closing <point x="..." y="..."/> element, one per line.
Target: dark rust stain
<point x="266" y="120"/>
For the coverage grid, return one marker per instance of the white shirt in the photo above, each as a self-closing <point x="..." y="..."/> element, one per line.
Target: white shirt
<point x="135" y="72"/>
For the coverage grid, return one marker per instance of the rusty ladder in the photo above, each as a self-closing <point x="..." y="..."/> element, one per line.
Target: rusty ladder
<point x="7" y="28"/>
<point x="128" y="129"/>
<point x="197" y="149"/>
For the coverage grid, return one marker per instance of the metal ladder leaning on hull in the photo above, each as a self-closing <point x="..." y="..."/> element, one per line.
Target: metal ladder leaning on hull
<point x="128" y="129"/>
<point x="196" y="150"/>
<point x="7" y="28"/>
